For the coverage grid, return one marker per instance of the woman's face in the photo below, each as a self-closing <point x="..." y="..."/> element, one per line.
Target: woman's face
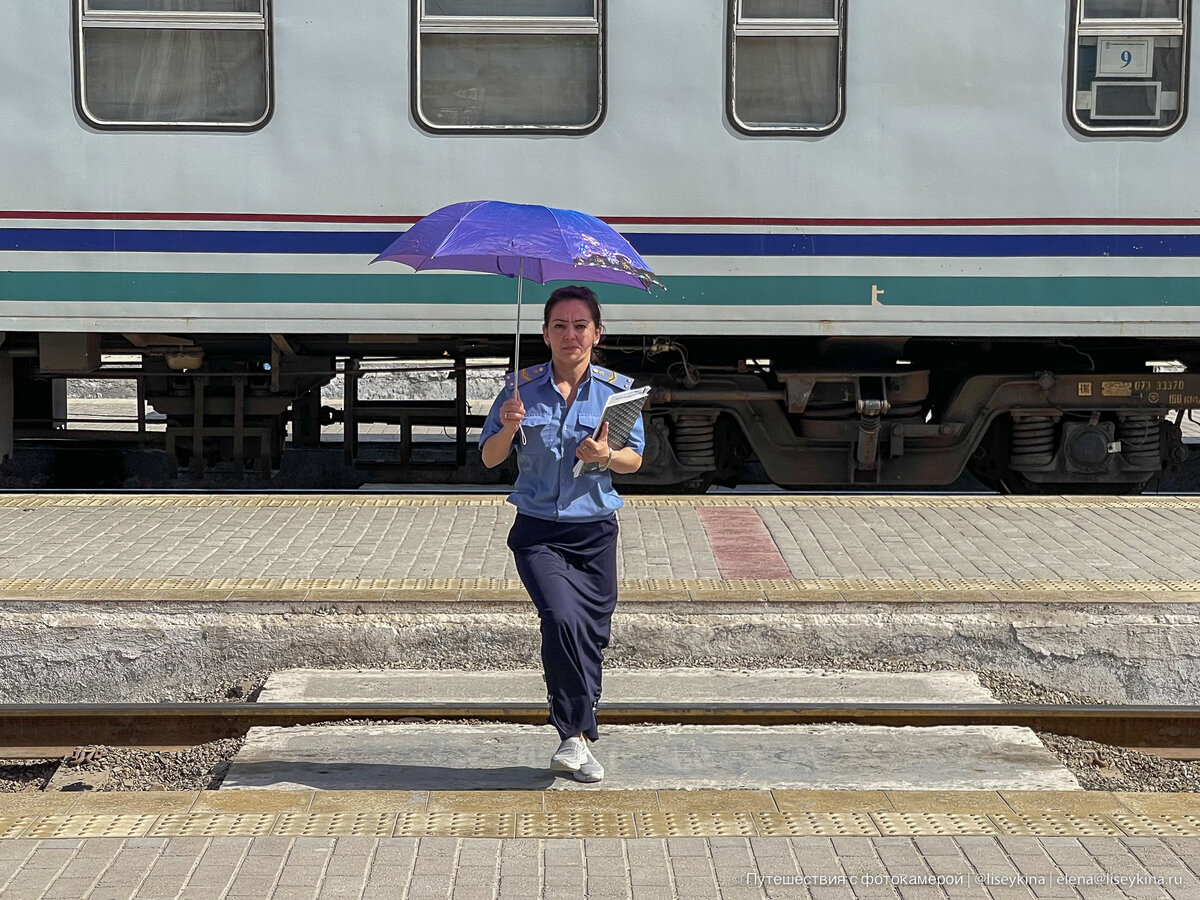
<point x="571" y="334"/>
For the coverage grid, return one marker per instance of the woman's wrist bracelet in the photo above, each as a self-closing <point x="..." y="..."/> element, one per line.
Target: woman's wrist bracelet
<point x="607" y="462"/>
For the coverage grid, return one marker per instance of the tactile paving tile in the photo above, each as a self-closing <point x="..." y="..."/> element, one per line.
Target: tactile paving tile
<point x="911" y="824"/>
<point x="1158" y="826"/>
<point x="725" y="584"/>
<point x="1065" y="584"/>
<point x="695" y="824"/>
<point x="212" y="825"/>
<point x="90" y="826"/>
<point x="335" y="824"/>
<point x="456" y="824"/>
<point x="576" y="825"/>
<point x="618" y="824"/>
<point x="369" y="501"/>
<point x="815" y="824"/>
<point x="13" y="826"/>
<point x="764" y="586"/>
<point x="242" y="501"/>
<point x="1055" y="825"/>
<point x="651" y="584"/>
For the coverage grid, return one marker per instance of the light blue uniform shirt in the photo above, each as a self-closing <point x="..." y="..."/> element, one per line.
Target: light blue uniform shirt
<point x="545" y="487"/>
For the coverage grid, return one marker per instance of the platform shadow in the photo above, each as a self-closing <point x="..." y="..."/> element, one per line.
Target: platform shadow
<point x="339" y="776"/>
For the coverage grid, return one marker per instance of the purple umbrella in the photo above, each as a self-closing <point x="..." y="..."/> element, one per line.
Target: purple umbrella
<point x="520" y="241"/>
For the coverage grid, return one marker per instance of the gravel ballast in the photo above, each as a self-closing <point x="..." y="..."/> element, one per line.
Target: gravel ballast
<point x="1096" y="766"/>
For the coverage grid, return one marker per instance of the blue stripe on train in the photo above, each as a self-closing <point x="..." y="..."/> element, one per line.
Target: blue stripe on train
<point x="652" y="244"/>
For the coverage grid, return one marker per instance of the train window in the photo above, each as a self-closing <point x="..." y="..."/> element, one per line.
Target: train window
<point x="789" y="9"/>
<point x="179" y="64"/>
<point x="1132" y="9"/>
<point x="786" y="66"/>
<point x="1128" y="66"/>
<point x="509" y="65"/>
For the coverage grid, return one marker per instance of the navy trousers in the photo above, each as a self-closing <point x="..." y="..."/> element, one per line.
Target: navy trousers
<point x="570" y="571"/>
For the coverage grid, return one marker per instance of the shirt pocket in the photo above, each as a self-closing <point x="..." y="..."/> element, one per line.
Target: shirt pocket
<point x="588" y="423"/>
<point x="586" y="427"/>
<point x="538" y="428"/>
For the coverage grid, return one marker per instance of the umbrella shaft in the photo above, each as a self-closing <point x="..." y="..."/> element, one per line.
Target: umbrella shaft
<point x="517" y="339"/>
<point x="517" y="345"/>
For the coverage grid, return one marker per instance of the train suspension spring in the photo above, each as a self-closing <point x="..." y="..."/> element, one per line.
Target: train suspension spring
<point x="694" y="439"/>
<point x="1034" y="441"/>
<point x="1139" y="437"/>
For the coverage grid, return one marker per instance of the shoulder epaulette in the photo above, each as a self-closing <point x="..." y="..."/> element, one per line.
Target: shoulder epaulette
<point x="527" y="374"/>
<point x="608" y="376"/>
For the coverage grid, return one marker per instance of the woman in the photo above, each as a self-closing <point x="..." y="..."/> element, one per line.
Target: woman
<point x="564" y="538"/>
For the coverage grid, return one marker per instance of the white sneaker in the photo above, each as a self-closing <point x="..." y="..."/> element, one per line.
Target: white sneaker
<point x="591" y="771"/>
<point x="570" y="756"/>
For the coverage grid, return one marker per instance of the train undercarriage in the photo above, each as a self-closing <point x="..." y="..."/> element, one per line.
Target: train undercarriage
<point x="1021" y="415"/>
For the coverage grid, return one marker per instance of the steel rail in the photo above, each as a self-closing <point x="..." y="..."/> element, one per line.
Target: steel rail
<point x="53" y="729"/>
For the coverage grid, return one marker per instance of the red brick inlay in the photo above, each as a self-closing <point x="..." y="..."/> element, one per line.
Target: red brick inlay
<point x="741" y="543"/>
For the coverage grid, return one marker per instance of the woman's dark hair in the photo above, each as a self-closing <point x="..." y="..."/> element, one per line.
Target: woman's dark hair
<point x="574" y="292"/>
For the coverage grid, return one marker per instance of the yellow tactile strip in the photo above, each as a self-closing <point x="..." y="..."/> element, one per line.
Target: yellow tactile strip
<point x="646" y="590"/>
<point x="620" y="814"/>
<point x="368" y="500"/>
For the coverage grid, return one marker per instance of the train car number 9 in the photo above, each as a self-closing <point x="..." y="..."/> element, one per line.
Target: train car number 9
<point x="1125" y="57"/>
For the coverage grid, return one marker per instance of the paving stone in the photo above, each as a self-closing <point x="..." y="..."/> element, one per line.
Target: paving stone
<point x="48" y="859"/>
<point x="472" y="891"/>
<point x="427" y="887"/>
<point x="17" y="849"/>
<point x="434" y="865"/>
<point x="146" y="843"/>
<point x="342" y="885"/>
<point x="519" y="887"/>
<point x="614" y="887"/>
<point x="347" y="865"/>
<point x="652" y="892"/>
<point x="354" y="846"/>
<point x="65" y="888"/>
<point x="842" y="846"/>
<point x="300" y="875"/>
<point x="527" y="867"/>
<point x="602" y="866"/>
<point x="691" y="866"/>
<point x="696" y="888"/>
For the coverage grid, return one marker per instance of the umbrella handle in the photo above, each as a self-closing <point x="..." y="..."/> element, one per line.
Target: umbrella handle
<point x="517" y="395"/>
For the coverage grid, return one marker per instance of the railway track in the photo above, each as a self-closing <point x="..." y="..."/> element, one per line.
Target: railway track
<point x="30" y="731"/>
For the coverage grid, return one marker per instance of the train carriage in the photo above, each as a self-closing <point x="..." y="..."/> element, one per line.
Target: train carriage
<point x="899" y="239"/>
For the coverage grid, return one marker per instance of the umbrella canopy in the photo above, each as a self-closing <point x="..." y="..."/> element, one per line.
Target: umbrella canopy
<point x="521" y="241"/>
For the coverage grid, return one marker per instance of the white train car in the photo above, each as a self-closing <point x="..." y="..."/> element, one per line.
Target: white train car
<point x="897" y="238"/>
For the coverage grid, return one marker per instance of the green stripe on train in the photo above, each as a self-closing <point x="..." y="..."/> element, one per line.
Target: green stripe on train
<point x="689" y="290"/>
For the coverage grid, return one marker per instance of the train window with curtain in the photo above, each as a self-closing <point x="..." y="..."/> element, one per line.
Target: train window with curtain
<point x="1128" y="66"/>
<point x="509" y="65"/>
<point x="174" y="64"/>
<point x="786" y="66"/>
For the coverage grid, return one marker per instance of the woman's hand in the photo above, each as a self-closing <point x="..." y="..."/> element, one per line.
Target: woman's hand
<point x="595" y="450"/>
<point x="496" y="448"/>
<point x="512" y="411"/>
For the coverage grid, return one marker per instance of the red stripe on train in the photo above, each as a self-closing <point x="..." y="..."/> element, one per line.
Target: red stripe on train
<point x="64" y="215"/>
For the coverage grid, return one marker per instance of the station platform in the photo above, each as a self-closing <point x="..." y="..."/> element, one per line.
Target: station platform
<point x="143" y="597"/>
<point x="665" y="844"/>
